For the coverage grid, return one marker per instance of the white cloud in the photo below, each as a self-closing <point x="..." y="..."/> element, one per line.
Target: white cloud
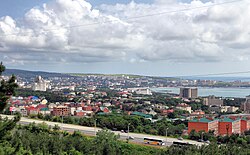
<point x="64" y="31"/>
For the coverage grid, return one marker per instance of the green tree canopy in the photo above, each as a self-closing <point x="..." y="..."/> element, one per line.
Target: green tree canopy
<point x="7" y="88"/>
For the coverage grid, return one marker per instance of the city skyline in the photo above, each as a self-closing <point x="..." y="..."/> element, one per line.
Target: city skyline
<point x="157" y="37"/>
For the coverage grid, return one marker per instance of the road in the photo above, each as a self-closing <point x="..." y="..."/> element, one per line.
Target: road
<point x="138" y="138"/>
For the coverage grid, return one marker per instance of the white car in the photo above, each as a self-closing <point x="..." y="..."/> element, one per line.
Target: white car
<point x="130" y="137"/>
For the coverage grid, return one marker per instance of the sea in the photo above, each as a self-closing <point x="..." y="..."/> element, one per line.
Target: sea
<point x="239" y="92"/>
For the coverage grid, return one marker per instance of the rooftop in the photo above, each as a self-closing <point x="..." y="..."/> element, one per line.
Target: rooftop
<point x="202" y="120"/>
<point x="226" y="119"/>
<point x="141" y="114"/>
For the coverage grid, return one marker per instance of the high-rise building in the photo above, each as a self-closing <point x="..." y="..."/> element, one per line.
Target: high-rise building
<point x="189" y="92"/>
<point x="246" y="105"/>
<point x="211" y="100"/>
<point x="40" y="84"/>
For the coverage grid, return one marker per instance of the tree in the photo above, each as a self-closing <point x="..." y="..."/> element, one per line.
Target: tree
<point x="194" y="135"/>
<point x="107" y="143"/>
<point x="7" y="88"/>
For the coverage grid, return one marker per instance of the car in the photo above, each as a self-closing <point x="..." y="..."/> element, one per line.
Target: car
<point x="122" y="131"/>
<point x="200" y="140"/>
<point x="130" y="137"/>
<point x="180" y="138"/>
<point x="207" y="141"/>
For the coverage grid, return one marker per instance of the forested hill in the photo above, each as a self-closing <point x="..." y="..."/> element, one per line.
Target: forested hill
<point x="29" y="74"/>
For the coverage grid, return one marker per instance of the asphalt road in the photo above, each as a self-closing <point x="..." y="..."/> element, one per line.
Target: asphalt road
<point x="138" y="138"/>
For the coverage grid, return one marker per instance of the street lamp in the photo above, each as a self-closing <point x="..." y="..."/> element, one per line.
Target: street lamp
<point x="128" y="131"/>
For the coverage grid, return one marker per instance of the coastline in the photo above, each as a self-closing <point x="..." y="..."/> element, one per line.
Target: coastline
<point x="235" y="92"/>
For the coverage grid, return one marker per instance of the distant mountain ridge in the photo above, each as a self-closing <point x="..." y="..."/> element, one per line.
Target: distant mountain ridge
<point x="29" y="74"/>
<point x="32" y="74"/>
<point x="221" y="78"/>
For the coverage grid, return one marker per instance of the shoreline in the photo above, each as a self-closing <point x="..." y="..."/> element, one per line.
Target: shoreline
<point x="225" y="92"/>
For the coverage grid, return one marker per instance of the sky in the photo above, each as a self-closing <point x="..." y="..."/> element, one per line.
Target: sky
<point x="145" y="37"/>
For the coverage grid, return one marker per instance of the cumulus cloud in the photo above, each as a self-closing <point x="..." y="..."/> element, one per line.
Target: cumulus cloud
<point x="64" y="31"/>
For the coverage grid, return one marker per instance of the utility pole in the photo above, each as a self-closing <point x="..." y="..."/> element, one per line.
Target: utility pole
<point x="166" y="136"/>
<point x="62" y="122"/>
<point x="95" y="127"/>
<point x="202" y="136"/>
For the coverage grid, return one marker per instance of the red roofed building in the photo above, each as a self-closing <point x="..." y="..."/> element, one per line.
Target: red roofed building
<point x="98" y="104"/>
<point x="123" y="93"/>
<point x="104" y="109"/>
<point x="79" y="113"/>
<point x="87" y="108"/>
<point x="16" y="102"/>
<point x="197" y="113"/>
<point x="32" y="110"/>
<point x="40" y="106"/>
<point x="166" y="111"/>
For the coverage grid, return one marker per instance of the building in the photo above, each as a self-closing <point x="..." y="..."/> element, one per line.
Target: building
<point x="44" y="111"/>
<point x="212" y="101"/>
<point x="237" y="116"/>
<point x="23" y="112"/>
<point x="40" y="84"/>
<point x="223" y="126"/>
<point x="244" y="125"/>
<point x="189" y="92"/>
<point x="32" y="110"/>
<point x="79" y="113"/>
<point x="214" y="108"/>
<point x="245" y="120"/>
<point x="197" y="113"/>
<point x="232" y="109"/>
<point x="203" y="124"/>
<point x="246" y="105"/>
<point x="61" y="111"/>
<point x="184" y="106"/>
<point x="226" y="125"/>
<point x="87" y="108"/>
<point x="136" y="113"/>
<point x="104" y="110"/>
<point x="229" y="126"/>
<point x="165" y="112"/>
<point x="140" y="91"/>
